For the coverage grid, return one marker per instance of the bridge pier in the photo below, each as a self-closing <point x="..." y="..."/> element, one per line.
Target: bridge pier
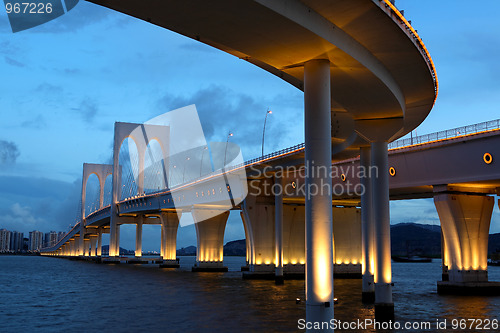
<point x="278" y="209"/>
<point x="77" y="246"/>
<point x="169" y="225"/>
<point x="368" y="283"/>
<point x="465" y="222"/>
<point x="258" y="218"/>
<point x="86" y="247"/>
<point x="384" y="305"/>
<point x="210" y="240"/>
<point x="138" y="236"/>
<point x="347" y="242"/>
<point x="99" y="242"/>
<point x="93" y="242"/>
<point x="318" y="193"/>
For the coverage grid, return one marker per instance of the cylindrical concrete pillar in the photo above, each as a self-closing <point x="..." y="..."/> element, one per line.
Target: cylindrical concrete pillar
<point x="368" y="285"/>
<point x="318" y="197"/>
<point x="384" y="305"/>
<point x="99" y="242"/>
<point x="86" y="247"/>
<point x="138" y="237"/>
<point x="278" y="232"/>
<point x="93" y="241"/>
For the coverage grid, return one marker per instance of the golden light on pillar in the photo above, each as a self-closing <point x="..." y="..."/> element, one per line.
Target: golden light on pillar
<point x="392" y="171"/>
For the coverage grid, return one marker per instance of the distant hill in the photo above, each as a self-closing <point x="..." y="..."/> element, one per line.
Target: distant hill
<point x="105" y="250"/>
<point x="415" y="239"/>
<point x="187" y="251"/>
<point x="235" y="248"/>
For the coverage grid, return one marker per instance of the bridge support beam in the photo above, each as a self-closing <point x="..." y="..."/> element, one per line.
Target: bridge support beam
<point x="210" y="240"/>
<point x="384" y="305"/>
<point x="169" y="225"/>
<point x="465" y="222"/>
<point x="318" y="200"/>
<point x="138" y="236"/>
<point x="367" y="261"/>
<point x="278" y="219"/>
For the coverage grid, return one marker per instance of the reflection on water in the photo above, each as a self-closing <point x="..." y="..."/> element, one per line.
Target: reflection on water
<point x="51" y="294"/>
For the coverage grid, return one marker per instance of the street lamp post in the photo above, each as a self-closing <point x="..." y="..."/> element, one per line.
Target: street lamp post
<point x="264" y="129"/>
<point x="202" y="155"/>
<point x="230" y="134"/>
<point x="184" y="171"/>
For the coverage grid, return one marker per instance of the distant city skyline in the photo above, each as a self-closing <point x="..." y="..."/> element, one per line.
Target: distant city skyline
<point x="67" y="82"/>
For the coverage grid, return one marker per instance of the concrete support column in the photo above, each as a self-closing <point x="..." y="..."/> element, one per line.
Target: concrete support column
<point x="384" y="305"/>
<point x="93" y="241"/>
<point x="248" y="240"/>
<point x="138" y="236"/>
<point x="259" y="221"/>
<point x="169" y="225"/>
<point x="347" y="242"/>
<point x="367" y="262"/>
<point x="318" y="161"/>
<point x="86" y="247"/>
<point x="278" y="233"/>
<point x="114" y="237"/>
<point x="77" y="246"/>
<point x="210" y="239"/>
<point x="99" y="242"/>
<point x="81" y="240"/>
<point x="465" y="224"/>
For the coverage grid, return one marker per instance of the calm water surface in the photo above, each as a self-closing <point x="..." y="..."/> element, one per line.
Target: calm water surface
<point x="50" y="295"/>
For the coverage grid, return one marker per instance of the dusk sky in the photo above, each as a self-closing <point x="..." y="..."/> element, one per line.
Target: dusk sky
<point x="66" y="82"/>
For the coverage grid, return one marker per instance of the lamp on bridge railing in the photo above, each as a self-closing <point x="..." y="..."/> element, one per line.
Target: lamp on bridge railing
<point x="268" y="112"/>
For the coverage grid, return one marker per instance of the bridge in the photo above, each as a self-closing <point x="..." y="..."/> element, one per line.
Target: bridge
<point x="455" y="167"/>
<point x="363" y="88"/>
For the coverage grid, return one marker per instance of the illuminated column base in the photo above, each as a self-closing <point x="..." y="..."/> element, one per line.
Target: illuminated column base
<point x="114" y="237"/>
<point x="210" y="239"/>
<point x="259" y="220"/>
<point x="465" y="222"/>
<point x="86" y="247"/>
<point x="347" y="242"/>
<point x="367" y="269"/>
<point x="278" y="232"/>
<point x="318" y="201"/>
<point x="169" y="225"/>
<point x="77" y="246"/>
<point x="99" y="242"/>
<point x="384" y="305"/>
<point x="138" y="237"/>
<point x="93" y="242"/>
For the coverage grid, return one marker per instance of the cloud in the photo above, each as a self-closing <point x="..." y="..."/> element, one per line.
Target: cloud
<point x="222" y="110"/>
<point x="8" y="152"/>
<point x="28" y="203"/>
<point x="36" y="123"/>
<point x="88" y="109"/>
<point x="13" y="62"/>
<point x="21" y="218"/>
<point x="83" y="15"/>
